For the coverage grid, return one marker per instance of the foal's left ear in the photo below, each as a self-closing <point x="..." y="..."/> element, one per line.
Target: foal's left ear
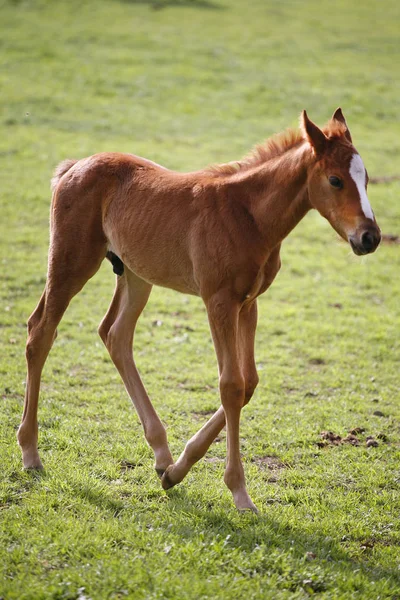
<point x="313" y="134"/>
<point x="338" y="116"/>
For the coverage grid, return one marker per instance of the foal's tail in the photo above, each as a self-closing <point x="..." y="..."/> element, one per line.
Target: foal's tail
<point x="62" y="168"/>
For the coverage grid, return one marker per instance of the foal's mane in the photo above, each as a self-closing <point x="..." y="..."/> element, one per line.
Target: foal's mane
<point x="274" y="147"/>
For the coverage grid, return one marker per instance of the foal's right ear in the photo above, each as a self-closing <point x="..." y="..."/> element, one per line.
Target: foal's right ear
<point x="338" y="116"/>
<point x="313" y="134"/>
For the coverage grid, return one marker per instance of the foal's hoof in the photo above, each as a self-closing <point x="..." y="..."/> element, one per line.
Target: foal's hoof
<point x="32" y="462"/>
<point x="243" y="502"/>
<point x="166" y="481"/>
<point x="33" y="467"/>
<point x="249" y="509"/>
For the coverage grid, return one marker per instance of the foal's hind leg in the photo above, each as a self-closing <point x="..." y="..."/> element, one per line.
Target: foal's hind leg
<point x="116" y="331"/>
<point x="65" y="279"/>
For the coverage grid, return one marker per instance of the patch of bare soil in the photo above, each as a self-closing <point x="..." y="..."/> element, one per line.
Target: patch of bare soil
<point x="329" y="438"/>
<point x="370" y="543"/>
<point x="351" y="439"/>
<point x="202" y="414"/>
<point x="270" y="463"/>
<point x="127" y="465"/>
<point x="273" y="463"/>
<point x="317" y="361"/>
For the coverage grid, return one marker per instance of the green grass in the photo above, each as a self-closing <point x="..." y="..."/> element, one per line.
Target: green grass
<point x="187" y="84"/>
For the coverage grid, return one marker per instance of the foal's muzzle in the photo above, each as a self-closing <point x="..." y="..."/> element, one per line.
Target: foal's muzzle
<point x="365" y="242"/>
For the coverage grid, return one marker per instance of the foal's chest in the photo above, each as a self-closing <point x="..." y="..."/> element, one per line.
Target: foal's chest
<point x="264" y="277"/>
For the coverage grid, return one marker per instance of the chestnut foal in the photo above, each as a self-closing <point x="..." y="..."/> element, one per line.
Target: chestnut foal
<point x="214" y="233"/>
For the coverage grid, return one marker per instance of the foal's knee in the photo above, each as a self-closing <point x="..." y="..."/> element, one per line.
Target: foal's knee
<point x="232" y="389"/>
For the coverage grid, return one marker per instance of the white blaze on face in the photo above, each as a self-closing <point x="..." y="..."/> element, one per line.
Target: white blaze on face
<point x="358" y="174"/>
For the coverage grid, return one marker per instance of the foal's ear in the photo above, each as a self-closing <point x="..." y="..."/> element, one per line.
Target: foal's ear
<point x="338" y="116"/>
<point x="313" y="134"/>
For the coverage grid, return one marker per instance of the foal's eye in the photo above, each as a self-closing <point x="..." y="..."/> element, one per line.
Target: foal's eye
<point x="336" y="182"/>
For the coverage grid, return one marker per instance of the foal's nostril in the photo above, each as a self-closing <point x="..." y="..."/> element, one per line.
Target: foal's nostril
<point x="368" y="241"/>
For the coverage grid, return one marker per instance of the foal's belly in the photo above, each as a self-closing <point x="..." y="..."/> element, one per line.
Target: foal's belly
<point x="175" y="282"/>
<point x="161" y="270"/>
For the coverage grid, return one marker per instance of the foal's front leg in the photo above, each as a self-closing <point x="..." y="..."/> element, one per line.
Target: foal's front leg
<point x="223" y="314"/>
<point x="198" y="445"/>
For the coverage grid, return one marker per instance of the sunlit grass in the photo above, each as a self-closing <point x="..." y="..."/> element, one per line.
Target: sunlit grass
<point x="187" y="84"/>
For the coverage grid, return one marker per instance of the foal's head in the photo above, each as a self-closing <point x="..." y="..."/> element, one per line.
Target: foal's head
<point x="337" y="183"/>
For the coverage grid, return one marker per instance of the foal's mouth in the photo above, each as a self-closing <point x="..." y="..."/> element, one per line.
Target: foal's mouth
<point x="357" y="249"/>
<point x="366" y="243"/>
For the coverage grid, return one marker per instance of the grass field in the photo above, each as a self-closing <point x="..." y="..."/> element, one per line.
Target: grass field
<point x="188" y="83"/>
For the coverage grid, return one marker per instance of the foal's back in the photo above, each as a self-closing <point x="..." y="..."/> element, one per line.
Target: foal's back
<point x="171" y="229"/>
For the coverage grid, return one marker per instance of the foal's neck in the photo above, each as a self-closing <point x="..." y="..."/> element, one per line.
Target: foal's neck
<point x="275" y="193"/>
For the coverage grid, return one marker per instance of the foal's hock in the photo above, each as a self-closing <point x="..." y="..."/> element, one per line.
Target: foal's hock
<point x="215" y="233"/>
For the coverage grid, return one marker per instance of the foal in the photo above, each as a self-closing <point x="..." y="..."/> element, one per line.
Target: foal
<point x="214" y="233"/>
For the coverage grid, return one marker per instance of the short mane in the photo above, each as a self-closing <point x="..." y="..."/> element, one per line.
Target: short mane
<point x="273" y="147"/>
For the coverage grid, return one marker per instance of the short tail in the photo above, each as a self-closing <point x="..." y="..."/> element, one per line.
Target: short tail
<point x="62" y="168"/>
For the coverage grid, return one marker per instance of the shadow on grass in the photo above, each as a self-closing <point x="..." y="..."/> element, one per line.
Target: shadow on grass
<point x="324" y="558"/>
<point x="160" y="4"/>
<point x="27" y="477"/>
<point x="20" y="482"/>
<point x="24" y="481"/>
<point x="98" y="497"/>
<point x="267" y="544"/>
